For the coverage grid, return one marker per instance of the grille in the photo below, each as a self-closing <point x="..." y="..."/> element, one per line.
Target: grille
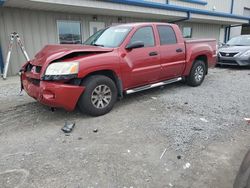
<point x="229" y="62"/>
<point x="36" y="68"/>
<point x="228" y="54"/>
<point x="34" y="81"/>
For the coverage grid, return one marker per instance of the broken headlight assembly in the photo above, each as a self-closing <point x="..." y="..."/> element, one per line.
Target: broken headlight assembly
<point x="61" y="71"/>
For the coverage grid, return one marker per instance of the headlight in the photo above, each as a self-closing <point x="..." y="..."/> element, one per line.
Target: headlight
<point x="62" y="68"/>
<point x="246" y="54"/>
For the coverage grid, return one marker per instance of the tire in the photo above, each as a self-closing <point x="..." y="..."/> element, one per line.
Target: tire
<point x="197" y="73"/>
<point x="99" y="96"/>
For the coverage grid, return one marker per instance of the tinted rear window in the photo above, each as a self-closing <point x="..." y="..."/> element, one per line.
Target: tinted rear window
<point x="167" y="34"/>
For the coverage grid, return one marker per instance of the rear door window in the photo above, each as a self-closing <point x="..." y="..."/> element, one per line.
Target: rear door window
<point x="167" y="34"/>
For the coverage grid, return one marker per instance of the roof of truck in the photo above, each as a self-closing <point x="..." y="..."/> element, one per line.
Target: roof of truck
<point x="137" y="24"/>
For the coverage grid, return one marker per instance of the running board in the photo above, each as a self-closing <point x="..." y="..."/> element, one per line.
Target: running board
<point x="153" y="85"/>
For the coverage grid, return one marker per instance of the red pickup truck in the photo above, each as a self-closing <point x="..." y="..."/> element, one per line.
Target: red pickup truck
<point x="115" y="61"/>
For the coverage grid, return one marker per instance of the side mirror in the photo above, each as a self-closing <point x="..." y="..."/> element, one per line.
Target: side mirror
<point x="137" y="44"/>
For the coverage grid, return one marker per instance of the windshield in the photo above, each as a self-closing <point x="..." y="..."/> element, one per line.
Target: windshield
<point x="111" y="37"/>
<point x="243" y="40"/>
<point x="91" y="40"/>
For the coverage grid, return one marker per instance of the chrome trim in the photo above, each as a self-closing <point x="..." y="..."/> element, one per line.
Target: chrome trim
<point x="153" y="85"/>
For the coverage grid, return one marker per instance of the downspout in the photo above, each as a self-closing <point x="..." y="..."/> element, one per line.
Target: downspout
<point x="1" y="55"/>
<point x="229" y="32"/>
<point x="1" y="61"/>
<point x="225" y="34"/>
<point x="183" y="19"/>
<point x="232" y="6"/>
<point x="229" y="27"/>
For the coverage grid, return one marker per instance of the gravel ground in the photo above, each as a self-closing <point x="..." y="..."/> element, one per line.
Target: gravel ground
<point x="174" y="136"/>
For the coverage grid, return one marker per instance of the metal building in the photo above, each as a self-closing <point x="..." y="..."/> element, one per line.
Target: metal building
<point x="41" y="22"/>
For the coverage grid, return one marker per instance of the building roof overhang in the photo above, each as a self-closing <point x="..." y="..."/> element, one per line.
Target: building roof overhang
<point x="131" y="8"/>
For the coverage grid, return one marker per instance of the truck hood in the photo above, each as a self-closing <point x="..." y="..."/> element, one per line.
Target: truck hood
<point x="53" y="52"/>
<point x="229" y="49"/>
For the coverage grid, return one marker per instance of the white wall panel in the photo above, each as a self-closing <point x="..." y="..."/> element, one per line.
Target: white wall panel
<point x="39" y="28"/>
<point x="200" y="30"/>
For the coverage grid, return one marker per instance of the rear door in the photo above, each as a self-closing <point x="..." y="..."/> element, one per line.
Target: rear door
<point x="172" y="52"/>
<point x="142" y="65"/>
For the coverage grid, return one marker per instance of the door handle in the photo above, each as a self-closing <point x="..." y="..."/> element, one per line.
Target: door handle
<point x="179" y="50"/>
<point x="153" y="54"/>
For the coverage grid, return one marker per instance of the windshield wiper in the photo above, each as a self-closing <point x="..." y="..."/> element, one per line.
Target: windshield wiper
<point x="98" y="45"/>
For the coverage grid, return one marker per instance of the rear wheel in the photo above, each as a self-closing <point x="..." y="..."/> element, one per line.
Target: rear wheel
<point x="197" y="73"/>
<point x="99" y="96"/>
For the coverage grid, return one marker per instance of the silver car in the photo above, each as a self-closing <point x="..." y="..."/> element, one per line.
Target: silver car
<point x="235" y="52"/>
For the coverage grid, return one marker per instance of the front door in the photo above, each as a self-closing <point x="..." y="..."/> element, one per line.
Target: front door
<point x="95" y="26"/>
<point x="142" y="65"/>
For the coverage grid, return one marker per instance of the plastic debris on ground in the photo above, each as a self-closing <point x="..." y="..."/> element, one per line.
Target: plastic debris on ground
<point x="204" y="120"/>
<point x="163" y="153"/>
<point x="153" y="98"/>
<point x="170" y="184"/>
<point x="248" y="120"/>
<point x="68" y="127"/>
<point x="196" y="129"/>
<point x="186" y="166"/>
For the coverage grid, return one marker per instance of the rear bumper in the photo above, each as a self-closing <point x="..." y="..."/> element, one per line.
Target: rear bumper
<point x="53" y="94"/>
<point x="213" y="61"/>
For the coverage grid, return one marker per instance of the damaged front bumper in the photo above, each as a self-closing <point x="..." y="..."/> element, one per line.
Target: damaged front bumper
<point x="52" y="93"/>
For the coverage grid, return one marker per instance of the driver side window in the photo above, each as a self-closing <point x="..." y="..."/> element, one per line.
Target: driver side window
<point x="145" y="35"/>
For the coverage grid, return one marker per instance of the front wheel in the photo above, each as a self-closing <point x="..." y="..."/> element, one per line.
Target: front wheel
<point x="197" y="73"/>
<point x="99" y="96"/>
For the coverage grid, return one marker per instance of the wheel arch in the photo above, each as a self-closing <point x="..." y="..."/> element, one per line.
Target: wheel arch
<point x="190" y="63"/>
<point x="203" y="58"/>
<point x="112" y="75"/>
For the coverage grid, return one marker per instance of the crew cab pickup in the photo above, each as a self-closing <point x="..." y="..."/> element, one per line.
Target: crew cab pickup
<point x="118" y="60"/>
